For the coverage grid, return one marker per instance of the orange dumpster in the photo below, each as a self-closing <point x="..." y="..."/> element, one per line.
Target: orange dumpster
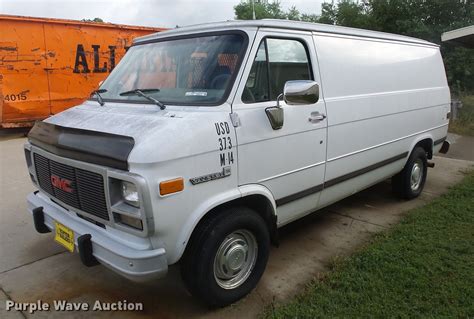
<point x="48" y="65"/>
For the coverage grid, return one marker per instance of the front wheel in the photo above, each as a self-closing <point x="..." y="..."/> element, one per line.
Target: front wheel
<point x="226" y="256"/>
<point x="410" y="181"/>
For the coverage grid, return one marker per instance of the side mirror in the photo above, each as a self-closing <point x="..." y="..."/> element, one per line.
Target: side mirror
<point x="275" y="116"/>
<point x="301" y="92"/>
<point x="294" y="93"/>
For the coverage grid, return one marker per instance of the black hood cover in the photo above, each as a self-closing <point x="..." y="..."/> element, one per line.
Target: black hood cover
<point x="94" y="147"/>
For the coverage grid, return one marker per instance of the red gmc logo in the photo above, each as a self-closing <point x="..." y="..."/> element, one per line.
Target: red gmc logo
<point x="61" y="183"/>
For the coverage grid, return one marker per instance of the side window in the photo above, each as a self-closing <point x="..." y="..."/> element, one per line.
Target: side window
<point x="257" y="88"/>
<point x="287" y="61"/>
<point x="277" y="61"/>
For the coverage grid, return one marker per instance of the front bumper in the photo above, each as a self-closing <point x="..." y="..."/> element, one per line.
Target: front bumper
<point x="135" y="264"/>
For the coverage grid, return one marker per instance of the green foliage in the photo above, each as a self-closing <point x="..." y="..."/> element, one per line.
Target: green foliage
<point x="270" y="10"/>
<point x="459" y="63"/>
<point x="328" y="13"/>
<point x="351" y="14"/>
<point x="93" y="20"/>
<point x="263" y="10"/>
<point x="464" y="124"/>
<point x="425" y="19"/>
<point x="422" y="268"/>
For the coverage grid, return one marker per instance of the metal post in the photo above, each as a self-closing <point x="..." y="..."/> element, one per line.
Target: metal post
<point x="253" y="10"/>
<point x="456" y="105"/>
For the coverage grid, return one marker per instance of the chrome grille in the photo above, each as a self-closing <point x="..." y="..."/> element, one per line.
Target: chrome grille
<point x="85" y="189"/>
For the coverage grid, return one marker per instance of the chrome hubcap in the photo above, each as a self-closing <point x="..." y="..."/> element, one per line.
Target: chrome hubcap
<point x="235" y="259"/>
<point x="416" y="175"/>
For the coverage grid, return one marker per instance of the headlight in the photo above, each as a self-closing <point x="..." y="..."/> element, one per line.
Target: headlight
<point x="130" y="194"/>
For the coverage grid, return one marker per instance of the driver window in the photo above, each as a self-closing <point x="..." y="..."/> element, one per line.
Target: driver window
<point x="257" y="88"/>
<point x="277" y="61"/>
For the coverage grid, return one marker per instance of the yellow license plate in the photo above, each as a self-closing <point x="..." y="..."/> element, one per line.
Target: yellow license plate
<point x="64" y="236"/>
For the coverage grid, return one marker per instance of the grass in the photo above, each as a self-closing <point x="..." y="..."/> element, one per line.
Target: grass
<point x="423" y="267"/>
<point x="464" y="125"/>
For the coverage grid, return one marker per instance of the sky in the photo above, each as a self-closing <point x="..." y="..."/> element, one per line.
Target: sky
<point x="155" y="13"/>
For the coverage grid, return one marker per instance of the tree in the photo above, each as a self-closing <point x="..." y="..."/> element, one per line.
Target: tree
<point x="269" y="10"/>
<point x="93" y="20"/>
<point x="351" y="14"/>
<point x="263" y="10"/>
<point x="328" y="13"/>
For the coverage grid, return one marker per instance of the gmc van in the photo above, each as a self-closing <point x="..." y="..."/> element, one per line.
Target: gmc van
<point x="204" y="140"/>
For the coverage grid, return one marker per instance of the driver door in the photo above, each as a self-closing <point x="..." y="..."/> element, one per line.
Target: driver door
<point x="289" y="161"/>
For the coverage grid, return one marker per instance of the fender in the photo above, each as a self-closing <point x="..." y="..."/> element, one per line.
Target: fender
<point x="208" y="205"/>
<point x="258" y="189"/>
<point x="196" y="216"/>
<point x="419" y="138"/>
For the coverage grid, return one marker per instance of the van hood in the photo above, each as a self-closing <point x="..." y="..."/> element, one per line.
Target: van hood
<point x="117" y="134"/>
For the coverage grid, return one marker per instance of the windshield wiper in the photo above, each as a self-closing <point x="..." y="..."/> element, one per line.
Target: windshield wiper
<point x="99" y="97"/>
<point x="141" y="92"/>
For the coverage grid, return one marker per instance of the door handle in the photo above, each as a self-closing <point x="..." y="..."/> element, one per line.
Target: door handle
<point x="316" y="117"/>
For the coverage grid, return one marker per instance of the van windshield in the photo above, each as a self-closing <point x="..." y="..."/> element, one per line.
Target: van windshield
<point x="196" y="70"/>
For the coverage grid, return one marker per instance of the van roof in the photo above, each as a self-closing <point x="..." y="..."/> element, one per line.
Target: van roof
<point x="282" y="24"/>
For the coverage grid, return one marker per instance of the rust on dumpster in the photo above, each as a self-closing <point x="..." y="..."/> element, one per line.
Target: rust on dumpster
<point x="49" y="65"/>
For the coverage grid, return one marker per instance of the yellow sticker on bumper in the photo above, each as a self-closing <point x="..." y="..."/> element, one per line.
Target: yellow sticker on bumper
<point x="64" y="236"/>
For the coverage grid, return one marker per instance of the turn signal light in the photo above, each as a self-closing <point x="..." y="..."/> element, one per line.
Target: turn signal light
<point x="171" y="186"/>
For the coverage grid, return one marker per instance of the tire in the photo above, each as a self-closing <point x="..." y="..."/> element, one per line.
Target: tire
<point x="221" y="234"/>
<point x="409" y="183"/>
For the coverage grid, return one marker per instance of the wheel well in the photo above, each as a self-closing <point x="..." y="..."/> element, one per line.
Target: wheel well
<point x="427" y="145"/>
<point x="259" y="203"/>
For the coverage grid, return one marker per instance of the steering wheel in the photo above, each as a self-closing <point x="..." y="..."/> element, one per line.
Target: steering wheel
<point x="247" y="95"/>
<point x="220" y="81"/>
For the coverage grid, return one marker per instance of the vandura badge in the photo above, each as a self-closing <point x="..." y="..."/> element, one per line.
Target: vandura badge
<point x="210" y="177"/>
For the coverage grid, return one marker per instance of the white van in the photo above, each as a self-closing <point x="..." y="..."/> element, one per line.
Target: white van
<point x="205" y="140"/>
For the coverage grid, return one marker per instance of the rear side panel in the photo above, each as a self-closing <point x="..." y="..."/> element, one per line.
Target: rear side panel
<point x="381" y="97"/>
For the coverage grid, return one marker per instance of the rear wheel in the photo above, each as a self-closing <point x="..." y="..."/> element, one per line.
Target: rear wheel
<point x="410" y="181"/>
<point x="226" y="256"/>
